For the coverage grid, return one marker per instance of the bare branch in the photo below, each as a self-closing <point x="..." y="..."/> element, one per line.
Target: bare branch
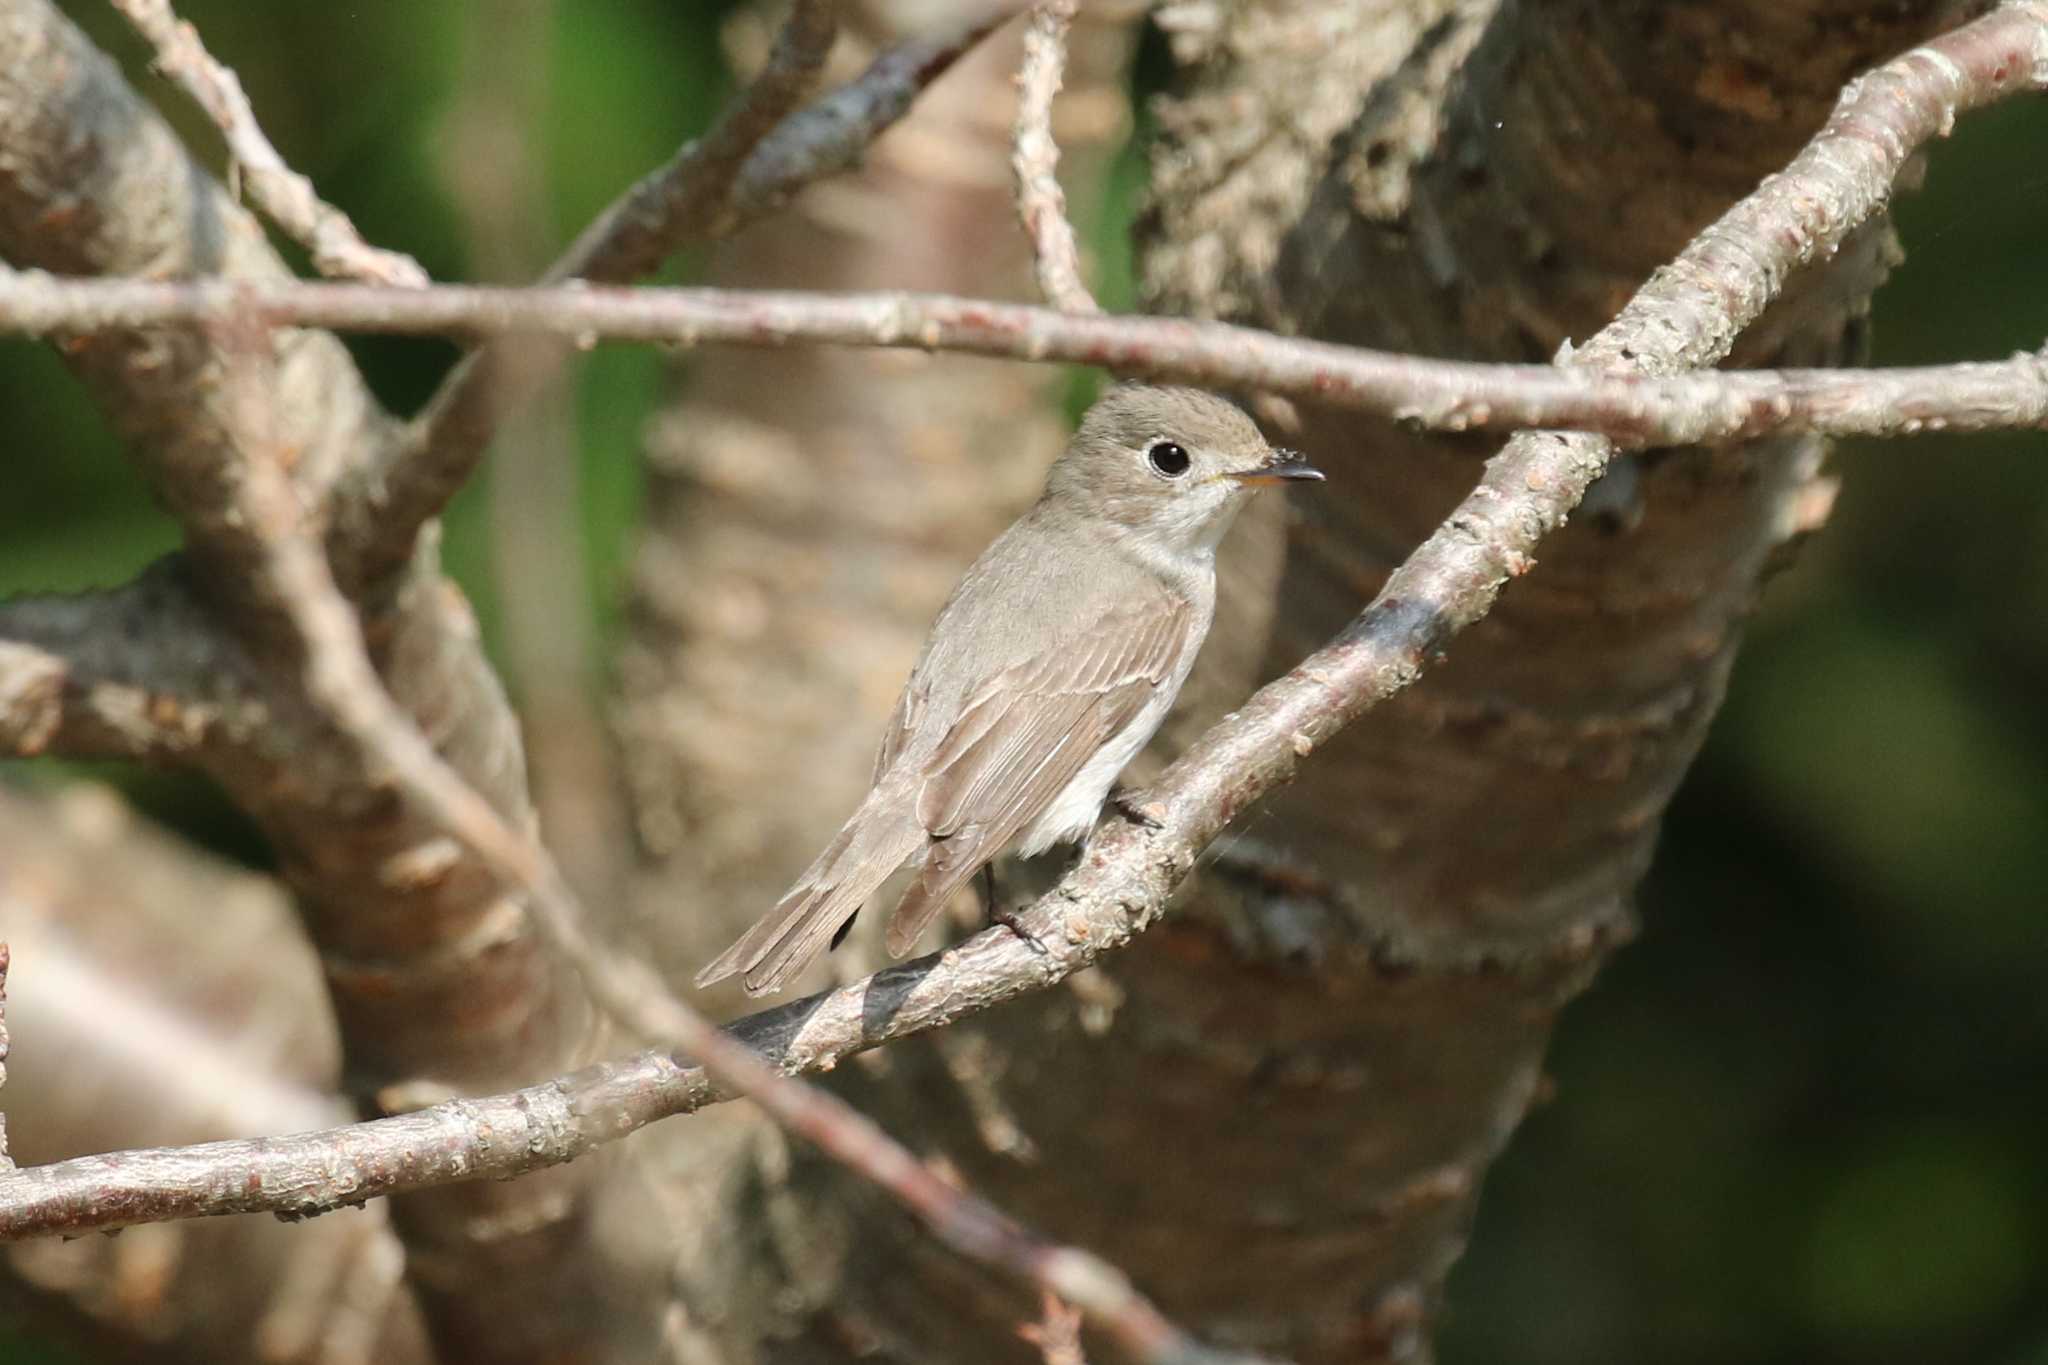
<point x="283" y="194"/>
<point x="687" y="200"/>
<point x="1446" y="395"/>
<point x="1035" y="157"/>
<point x="407" y="481"/>
<point x="305" y="1174"/>
<point x="829" y="135"/>
<point x="691" y="198"/>
<point x="502" y="1136"/>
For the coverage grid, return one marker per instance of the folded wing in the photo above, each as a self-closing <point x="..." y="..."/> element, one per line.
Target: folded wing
<point x="1025" y="735"/>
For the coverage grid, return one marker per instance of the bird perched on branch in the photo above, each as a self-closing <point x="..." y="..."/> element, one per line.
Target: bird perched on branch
<point x="1047" y="670"/>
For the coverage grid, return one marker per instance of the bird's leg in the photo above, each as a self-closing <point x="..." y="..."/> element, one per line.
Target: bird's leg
<point x="997" y="915"/>
<point x="1133" y="806"/>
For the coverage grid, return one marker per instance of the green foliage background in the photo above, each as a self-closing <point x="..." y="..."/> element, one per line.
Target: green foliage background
<point x="1804" y="1117"/>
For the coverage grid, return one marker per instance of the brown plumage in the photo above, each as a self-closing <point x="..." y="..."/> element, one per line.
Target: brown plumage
<point x="1052" y="663"/>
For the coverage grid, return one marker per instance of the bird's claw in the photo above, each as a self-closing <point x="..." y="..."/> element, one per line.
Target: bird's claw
<point x="1133" y="807"/>
<point x="1016" y="926"/>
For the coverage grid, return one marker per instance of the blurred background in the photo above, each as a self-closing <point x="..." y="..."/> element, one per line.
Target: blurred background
<point x="1804" y="1117"/>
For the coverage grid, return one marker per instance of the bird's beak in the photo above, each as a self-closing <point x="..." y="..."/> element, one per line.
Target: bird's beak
<point x="1282" y="466"/>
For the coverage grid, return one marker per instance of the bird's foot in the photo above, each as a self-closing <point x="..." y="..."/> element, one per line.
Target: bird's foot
<point x="992" y="906"/>
<point x="1133" y="806"/>
<point x="1016" y="926"/>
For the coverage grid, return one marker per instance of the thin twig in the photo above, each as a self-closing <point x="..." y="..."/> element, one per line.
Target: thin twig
<point x="1035" y="158"/>
<point x="687" y="200"/>
<point x="283" y="194"/>
<point x="832" y="133"/>
<point x="341" y="679"/>
<point x="1441" y="395"/>
<point x="379" y="512"/>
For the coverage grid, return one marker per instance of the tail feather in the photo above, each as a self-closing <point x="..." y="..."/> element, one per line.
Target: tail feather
<point x="940" y="877"/>
<point x="779" y="945"/>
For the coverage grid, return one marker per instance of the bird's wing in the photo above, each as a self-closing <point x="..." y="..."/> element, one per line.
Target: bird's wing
<point x="1026" y="733"/>
<point x="903" y="723"/>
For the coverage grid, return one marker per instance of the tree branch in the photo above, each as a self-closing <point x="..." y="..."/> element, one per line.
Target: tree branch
<point x="1035" y="159"/>
<point x="1635" y="409"/>
<point x="691" y="198"/>
<point x="829" y="135"/>
<point x="97" y="184"/>
<point x="284" y="195"/>
<point x="687" y="200"/>
<point x="378" y="512"/>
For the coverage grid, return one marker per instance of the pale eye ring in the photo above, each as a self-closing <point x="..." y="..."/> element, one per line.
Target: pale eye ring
<point x="1168" y="459"/>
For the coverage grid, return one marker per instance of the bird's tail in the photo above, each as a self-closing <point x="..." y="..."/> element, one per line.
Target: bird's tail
<point x="873" y="844"/>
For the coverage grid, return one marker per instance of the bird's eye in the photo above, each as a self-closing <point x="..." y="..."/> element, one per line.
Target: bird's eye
<point x="1168" y="458"/>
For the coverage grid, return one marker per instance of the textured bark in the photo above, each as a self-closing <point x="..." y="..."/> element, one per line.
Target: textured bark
<point x="160" y="997"/>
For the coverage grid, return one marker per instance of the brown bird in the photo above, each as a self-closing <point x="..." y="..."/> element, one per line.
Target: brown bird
<point x="1049" y="667"/>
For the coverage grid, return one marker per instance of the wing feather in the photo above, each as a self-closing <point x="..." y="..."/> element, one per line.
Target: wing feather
<point x="903" y="723"/>
<point x="1025" y="735"/>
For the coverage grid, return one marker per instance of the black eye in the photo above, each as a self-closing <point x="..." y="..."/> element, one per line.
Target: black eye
<point x="1168" y="458"/>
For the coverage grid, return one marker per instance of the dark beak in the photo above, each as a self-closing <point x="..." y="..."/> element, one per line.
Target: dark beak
<point x="1282" y="466"/>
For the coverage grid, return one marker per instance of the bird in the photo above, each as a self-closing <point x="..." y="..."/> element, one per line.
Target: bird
<point x="1047" y="670"/>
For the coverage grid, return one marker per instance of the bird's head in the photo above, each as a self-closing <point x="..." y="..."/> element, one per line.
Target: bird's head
<point x="1172" y="465"/>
